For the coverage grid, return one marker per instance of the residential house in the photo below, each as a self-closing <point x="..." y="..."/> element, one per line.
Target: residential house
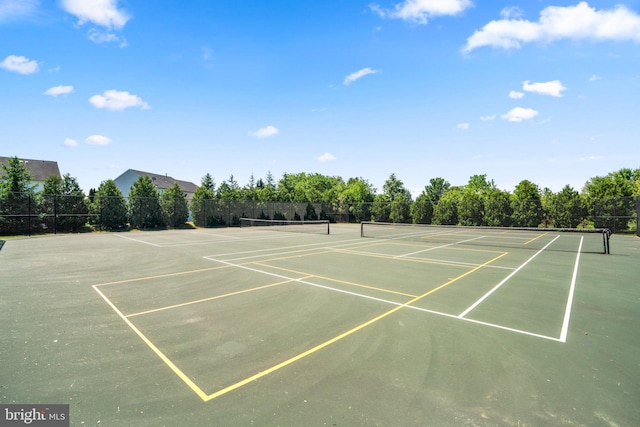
<point x="162" y="182"/>
<point x="40" y="170"/>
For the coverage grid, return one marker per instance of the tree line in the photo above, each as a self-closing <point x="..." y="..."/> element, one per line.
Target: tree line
<point x="604" y="201"/>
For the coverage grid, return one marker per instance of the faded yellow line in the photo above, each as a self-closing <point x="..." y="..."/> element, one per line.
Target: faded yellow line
<point x="156" y="350"/>
<point x="459" y="248"/>
<point x="337" y="281"/>
<point x="535" y="238"/>
<point x="288" y="257"/>
<point x="341" y="336"/>
<point x="216" y="297"/>
<point x="416" y="245"/>
<point x="396" y="258"/>
<point x="160" y="276"/>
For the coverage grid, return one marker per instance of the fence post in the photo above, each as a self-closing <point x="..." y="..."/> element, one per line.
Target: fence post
<point x="55" y="214"/>
<point x="29" y="214"/>
<point x="638" y="216"/>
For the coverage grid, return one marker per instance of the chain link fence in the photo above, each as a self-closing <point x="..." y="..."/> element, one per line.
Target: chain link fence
<point x="617" y="214"/>
<point x="33" y="213"/>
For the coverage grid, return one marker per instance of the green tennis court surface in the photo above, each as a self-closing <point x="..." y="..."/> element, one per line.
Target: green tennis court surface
<point x="256" y="327"/>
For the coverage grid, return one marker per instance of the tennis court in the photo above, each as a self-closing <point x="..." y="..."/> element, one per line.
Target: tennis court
<point x="389" y="325"/>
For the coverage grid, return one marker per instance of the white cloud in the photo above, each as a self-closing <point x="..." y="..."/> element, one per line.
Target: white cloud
<point x="594" y="78"/>
<point x="519" y="114"/>
<point x="17" y="8"/>
<point x="463" y="126"/>
<point x="358" y="75"/>
<point x="420" y="11"/>
<point x="104" y="13"/>
<point x="558" y="22"/>
<point x="265" y="132"/>
<point x="488" y="118"/>
<point x="515" y="95"/>
<point x="552" y="88"/>
<point x="511" y="12"/>
<point x="70" y="142"/>
<point x="588" y="158"/>
<point x="326" y="157"/>
<point x="97" y="140"/>
<point x="59" y="90"/>
<point x="117" y="100"/>
<point x="19" y="64"/>
<point x="100" y="37"/>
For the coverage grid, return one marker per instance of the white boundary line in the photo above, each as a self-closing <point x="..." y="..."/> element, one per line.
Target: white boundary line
<point x="495" y="288"/>
<point x="438" y="247"/>
<point x="437" y="260"/>
<point x="137" y="240"/>
<point x="320" y="244"/>
<point x="567" y="311"/>
<point x="306" y="282"/>
<point x="565" y="325"/>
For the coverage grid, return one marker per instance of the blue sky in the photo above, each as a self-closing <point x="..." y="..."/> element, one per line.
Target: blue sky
<point x="540" y="90"/>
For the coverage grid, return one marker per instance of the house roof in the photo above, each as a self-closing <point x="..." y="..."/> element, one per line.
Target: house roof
<point x="40" y="170"/>
<point x="165" y="181"/>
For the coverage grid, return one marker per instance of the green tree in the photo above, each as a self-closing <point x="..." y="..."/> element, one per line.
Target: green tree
<point x="479" y="184"/>
<point x="16" y="197"/>
<point x="380" y="209"/>
<point x="110" y="206"/>
<point x="609" y="198"/>
<point x="399" y="199"/>
<point x="565" y="209"/>
<point x="174" y="205"/>
<point x="435" y="189"/>
<point x="65" y="201"/>
<point x="394" y="188"/>
<point x="208" y="183"/>
<point x="266" y="190"/>
<point x="526" y="205"/>
<point x="470" y="207"/>
<point x="15" y="177"/>
<point x="202" y="202"/>
<point x="250" y="191"/>
<point x="229" y="189"/>
<point x="473" y="199"/>
<point x="446" y="211"/>
<point x="356" y="197"/>
<point x="144" y="204"/>
<point x="422" y="209"/>
<point x="497" y="209"/>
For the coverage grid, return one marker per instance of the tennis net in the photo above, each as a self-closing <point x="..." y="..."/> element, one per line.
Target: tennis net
<point x="302" y="226"/>
<point x="593" y="240"/>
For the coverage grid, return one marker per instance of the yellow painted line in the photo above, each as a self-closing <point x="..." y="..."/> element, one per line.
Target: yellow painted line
<point x="155" y="349"/>
<point x="415" y="245"/>
<point x="160" y="276"/>
<point x="396" y="258"/>
<point x="288" y="257"/>
<point x="216" y="297"/>
<point x="535" y="238"/>
<point x="337" y="281"/>
<point x="458" y="248"/>
<point x="339" y="337"/>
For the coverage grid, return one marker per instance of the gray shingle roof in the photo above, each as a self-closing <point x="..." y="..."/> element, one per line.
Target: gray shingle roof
<point x="40" y="169"/>
<point x="164" y="181"/>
